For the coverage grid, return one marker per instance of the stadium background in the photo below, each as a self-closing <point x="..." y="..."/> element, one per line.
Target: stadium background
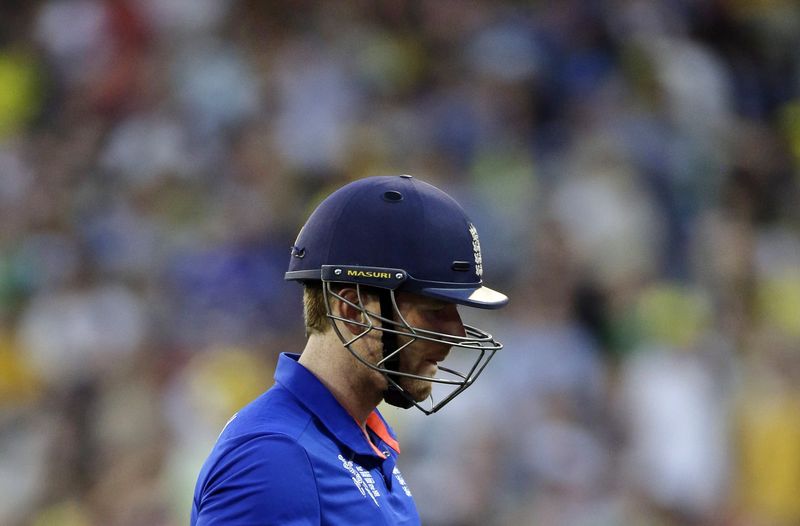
<point x="631" y="165"/>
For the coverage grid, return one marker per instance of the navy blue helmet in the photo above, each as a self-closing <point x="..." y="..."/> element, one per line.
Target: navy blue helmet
<point x="397" y="233"/>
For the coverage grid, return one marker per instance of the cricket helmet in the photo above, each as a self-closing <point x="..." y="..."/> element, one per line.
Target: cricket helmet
<point x="397" y="233"/>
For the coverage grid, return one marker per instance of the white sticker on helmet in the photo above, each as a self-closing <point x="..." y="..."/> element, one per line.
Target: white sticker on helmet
<point x="487" y="296"/>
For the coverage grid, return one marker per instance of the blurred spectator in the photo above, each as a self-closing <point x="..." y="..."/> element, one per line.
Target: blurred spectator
<point x="674" y="401"/>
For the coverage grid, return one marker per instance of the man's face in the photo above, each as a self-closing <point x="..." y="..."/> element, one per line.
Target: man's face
<point x="422" y="357"/>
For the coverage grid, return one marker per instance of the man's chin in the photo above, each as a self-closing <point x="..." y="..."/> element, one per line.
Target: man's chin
<point x="419" y="390"/>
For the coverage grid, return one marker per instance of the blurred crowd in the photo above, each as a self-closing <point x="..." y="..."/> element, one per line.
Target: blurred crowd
<point x="632" y="166"/>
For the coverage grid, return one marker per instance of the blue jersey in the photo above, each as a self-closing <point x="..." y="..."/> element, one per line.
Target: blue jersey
<point x="295" y="456"/>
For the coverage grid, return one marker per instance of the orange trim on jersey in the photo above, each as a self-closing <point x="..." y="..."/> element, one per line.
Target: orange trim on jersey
<point x="373" y="446"/>
<point x="369" y="441"/>
<point x="377" y="426"/>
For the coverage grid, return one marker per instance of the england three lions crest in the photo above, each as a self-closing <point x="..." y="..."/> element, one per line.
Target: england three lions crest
<point x="476" y="250"/>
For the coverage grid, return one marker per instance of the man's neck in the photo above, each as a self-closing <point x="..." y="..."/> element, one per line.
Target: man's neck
<point x="349" y="381"/>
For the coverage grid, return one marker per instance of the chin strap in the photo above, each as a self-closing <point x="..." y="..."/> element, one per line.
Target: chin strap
<point x="393" y="395"/>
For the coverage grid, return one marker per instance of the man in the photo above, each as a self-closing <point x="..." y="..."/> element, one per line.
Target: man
<point x="383" y="261"/>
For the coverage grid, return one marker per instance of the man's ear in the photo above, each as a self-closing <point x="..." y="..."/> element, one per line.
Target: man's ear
<point x="348" y="310"/>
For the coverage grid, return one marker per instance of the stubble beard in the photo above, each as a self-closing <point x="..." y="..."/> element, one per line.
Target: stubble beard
<point x="373" y="381"/>
<point x="370" y="382"/>
<point x="417" y="389"/>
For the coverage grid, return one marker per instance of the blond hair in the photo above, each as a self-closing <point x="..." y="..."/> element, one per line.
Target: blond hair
<point x="315" y="313"/>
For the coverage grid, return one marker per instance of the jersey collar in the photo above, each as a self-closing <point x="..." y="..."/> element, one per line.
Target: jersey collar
<point x="317" y="399"/>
